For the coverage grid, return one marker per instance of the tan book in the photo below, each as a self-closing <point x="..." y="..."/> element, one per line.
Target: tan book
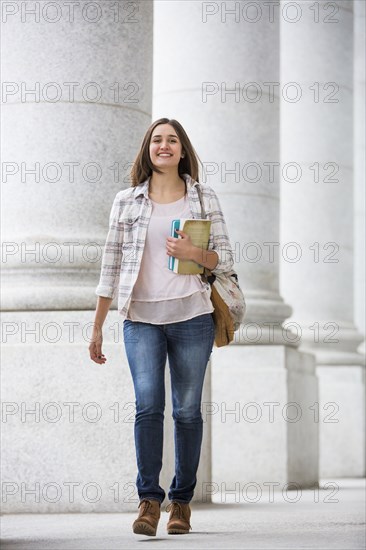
<point x="199" y="231"/>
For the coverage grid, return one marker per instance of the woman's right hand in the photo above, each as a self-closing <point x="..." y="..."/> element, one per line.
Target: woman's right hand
<point x="95" y="348"/>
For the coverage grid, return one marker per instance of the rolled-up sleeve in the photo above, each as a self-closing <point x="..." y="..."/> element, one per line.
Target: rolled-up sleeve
<point x="112" y="254"/>
<point x="219" y="237"/>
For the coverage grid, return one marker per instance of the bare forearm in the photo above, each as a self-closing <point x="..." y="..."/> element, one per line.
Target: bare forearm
<point x="207" y="258"/>
<point x="101" y="312"/>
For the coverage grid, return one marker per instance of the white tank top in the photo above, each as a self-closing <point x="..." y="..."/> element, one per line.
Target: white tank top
<point x="159" y="295"/>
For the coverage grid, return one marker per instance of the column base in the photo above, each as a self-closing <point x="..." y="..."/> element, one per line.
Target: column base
<point x="264" y="419"/>
<point x="67" y="422"/>
<point x="342" y="432"/>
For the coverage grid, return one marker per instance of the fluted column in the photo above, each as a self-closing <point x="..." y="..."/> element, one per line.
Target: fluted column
<point x="317" y="212"/>
<point x="219" y="77"/>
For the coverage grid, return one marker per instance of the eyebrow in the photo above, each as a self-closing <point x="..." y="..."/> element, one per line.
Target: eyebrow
<point x="169" y="135"/>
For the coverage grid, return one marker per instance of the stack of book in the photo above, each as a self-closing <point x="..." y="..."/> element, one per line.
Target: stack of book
<point x="199" y="231"/>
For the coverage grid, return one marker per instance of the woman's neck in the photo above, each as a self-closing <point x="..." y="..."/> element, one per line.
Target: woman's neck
<point x="166" y="187"/>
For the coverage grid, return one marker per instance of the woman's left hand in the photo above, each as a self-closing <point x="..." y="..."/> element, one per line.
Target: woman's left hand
<point x="180" y="248"/>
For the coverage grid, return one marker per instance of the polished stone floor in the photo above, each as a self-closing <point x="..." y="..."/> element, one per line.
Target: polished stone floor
<point x="328" y="519"/>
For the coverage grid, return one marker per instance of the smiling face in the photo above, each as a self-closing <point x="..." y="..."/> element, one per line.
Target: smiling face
<point x="165" y="146"/>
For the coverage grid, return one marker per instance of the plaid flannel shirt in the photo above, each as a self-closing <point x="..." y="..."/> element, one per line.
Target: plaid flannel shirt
<point x="128" y="224"/>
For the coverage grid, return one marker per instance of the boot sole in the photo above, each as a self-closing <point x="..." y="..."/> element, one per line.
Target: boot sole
<point x="178" y="532"/>
<point x="142" y="528"/>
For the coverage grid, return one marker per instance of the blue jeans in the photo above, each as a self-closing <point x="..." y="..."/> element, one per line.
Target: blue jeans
<point x="188" y="345"/>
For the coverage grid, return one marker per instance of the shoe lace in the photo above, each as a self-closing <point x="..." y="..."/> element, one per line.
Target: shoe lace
<point x="146" y="505"/>
<point x="176" y="511"/>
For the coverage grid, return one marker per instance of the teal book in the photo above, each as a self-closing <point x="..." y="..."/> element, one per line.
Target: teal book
<point x="199" y="231"/>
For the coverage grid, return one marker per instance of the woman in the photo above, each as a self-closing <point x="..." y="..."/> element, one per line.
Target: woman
<point x="165" y="314"/>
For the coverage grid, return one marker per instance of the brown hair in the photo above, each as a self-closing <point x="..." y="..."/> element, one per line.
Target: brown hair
<point x="143" y="168"/>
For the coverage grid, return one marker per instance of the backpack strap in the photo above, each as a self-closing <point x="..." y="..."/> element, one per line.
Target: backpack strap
<point x="207" y="276"/>
<point x="199" y="191"/>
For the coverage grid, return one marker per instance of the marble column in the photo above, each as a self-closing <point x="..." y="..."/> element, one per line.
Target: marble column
<point x="220" y="78"/>
<point x="76" y="102"/>
<point x="359" y="48"/>
<point x="317" y="213"/>
<point x="76" y="99"/>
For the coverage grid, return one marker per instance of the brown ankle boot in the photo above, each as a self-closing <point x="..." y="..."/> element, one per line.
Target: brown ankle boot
<point x="180" y="514"/>
<point x="148" y="518"/>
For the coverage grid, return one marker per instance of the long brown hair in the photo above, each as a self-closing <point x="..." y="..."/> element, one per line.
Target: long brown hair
<point x="143" y="168"/>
